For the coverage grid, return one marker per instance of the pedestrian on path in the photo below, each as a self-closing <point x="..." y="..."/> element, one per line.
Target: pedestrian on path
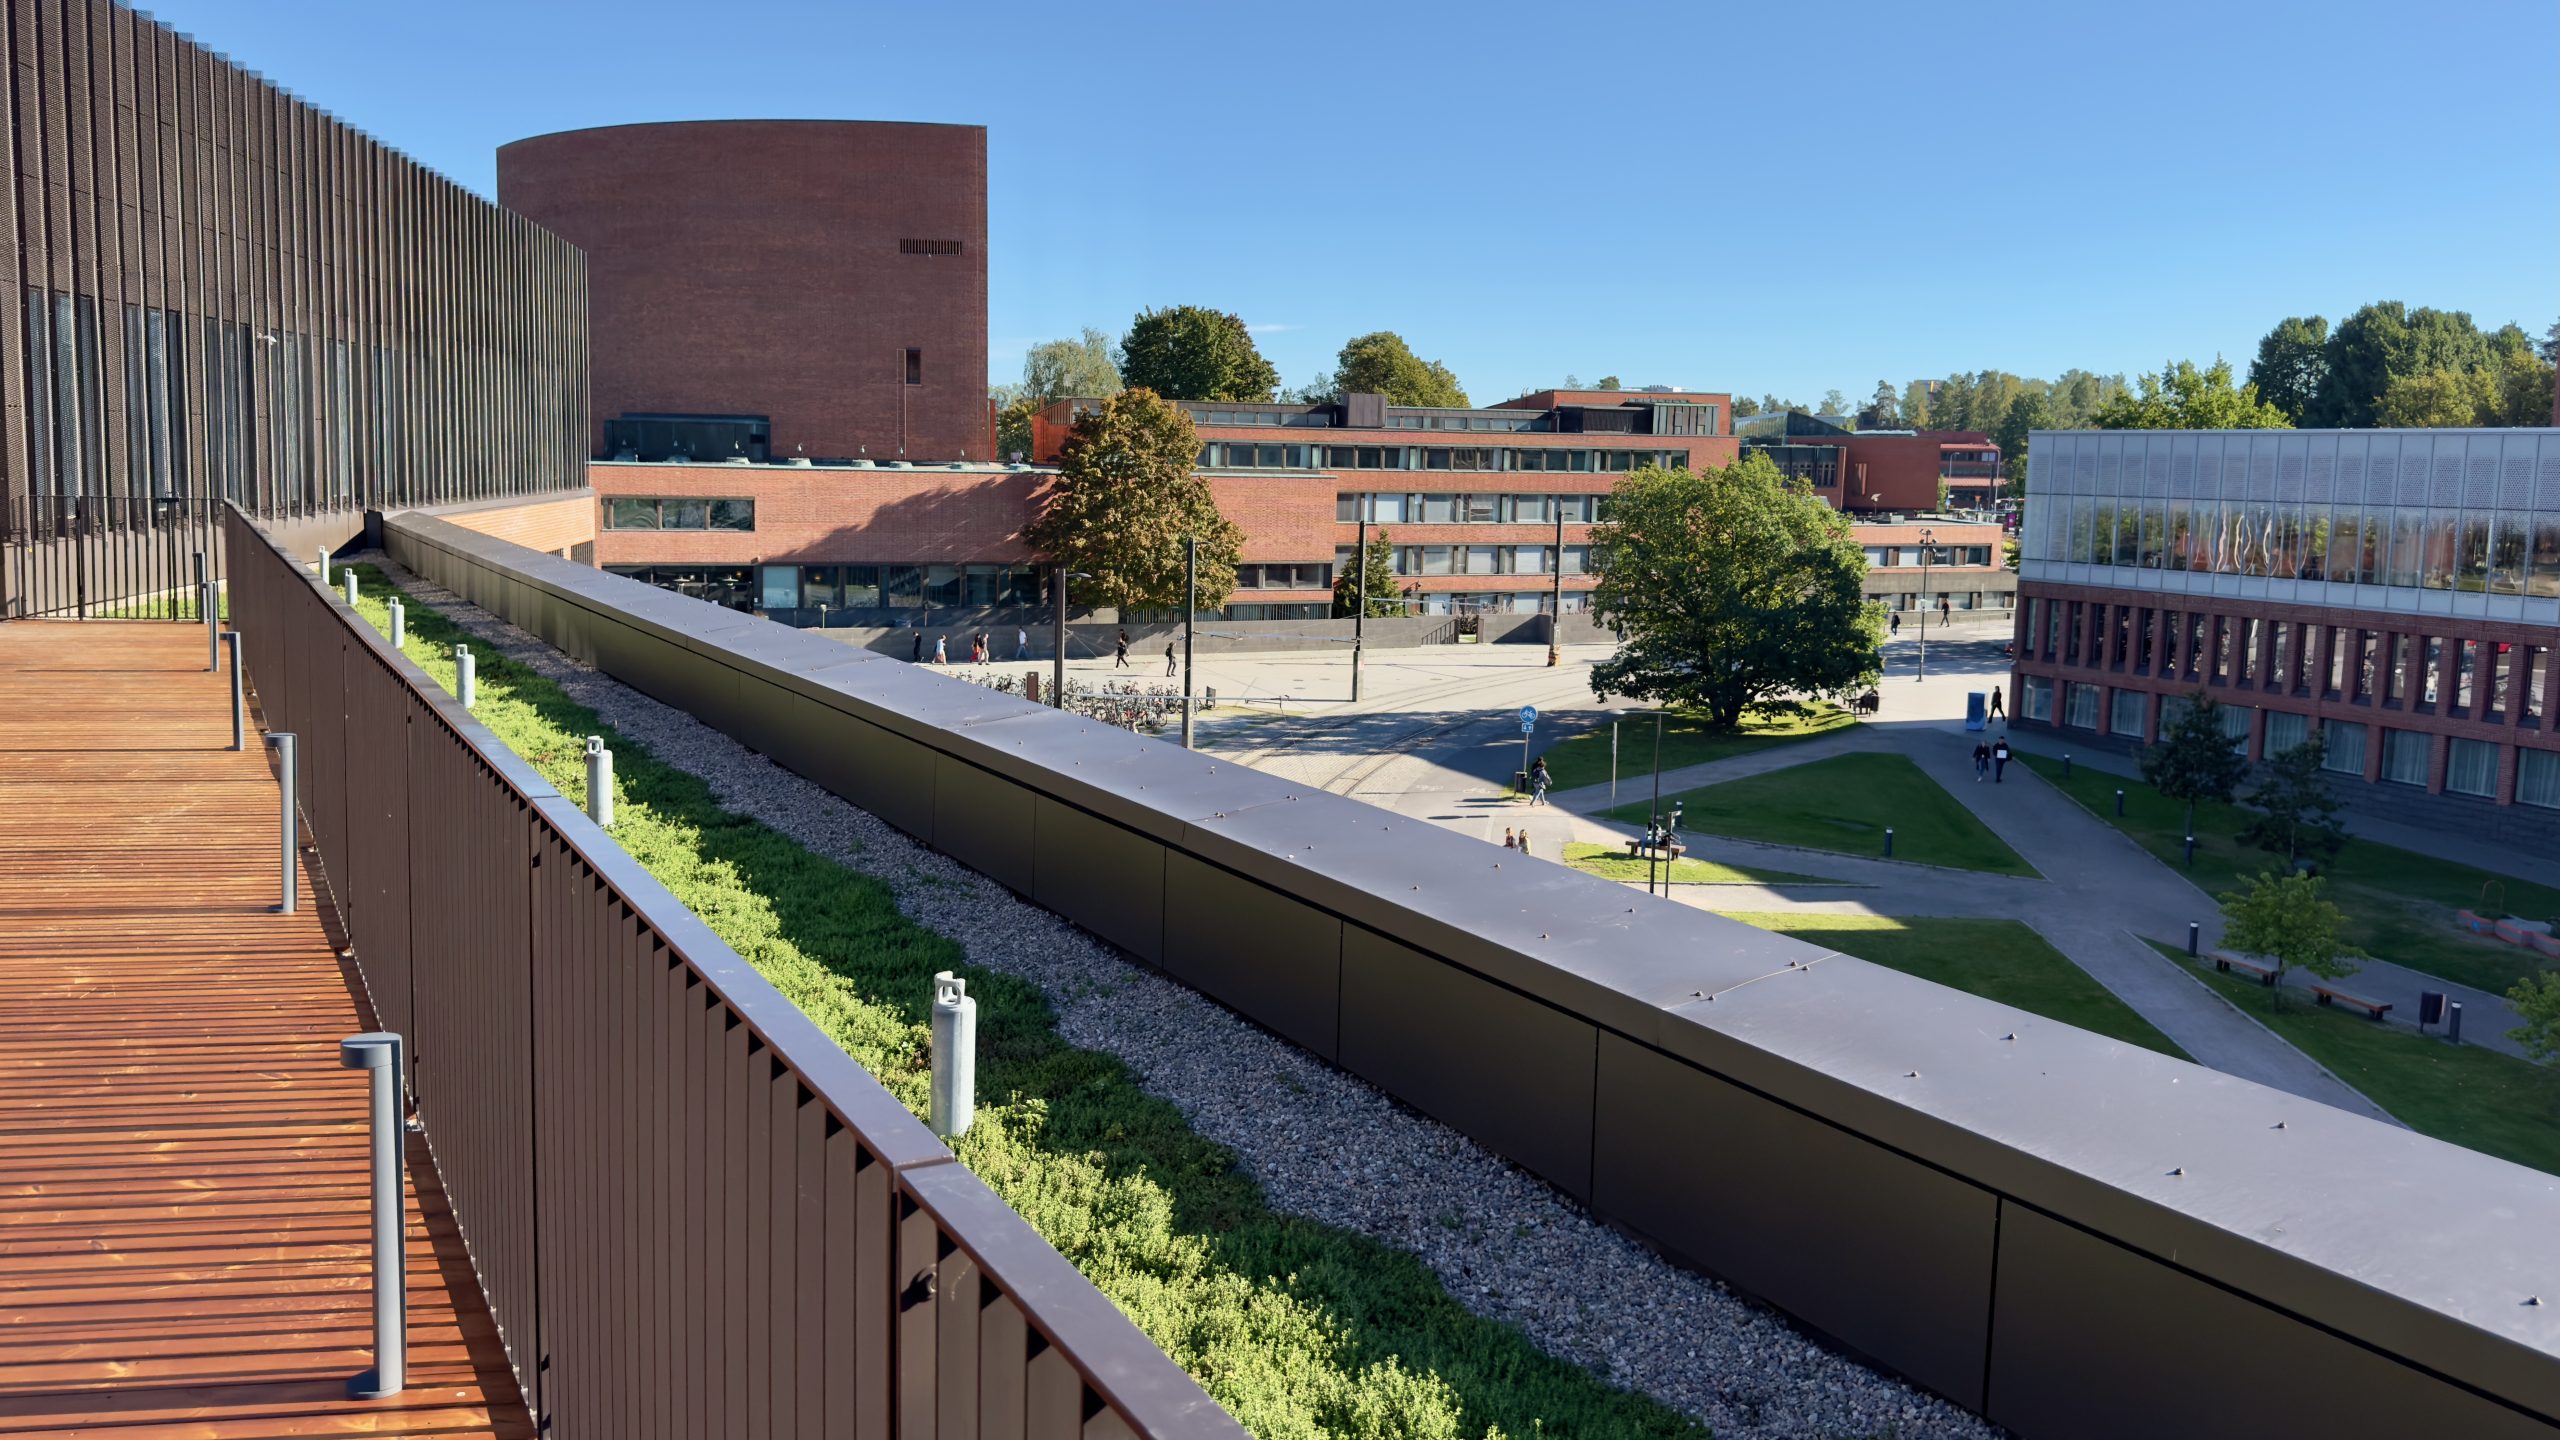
<point x="1120" y="654"/>
<point x="1995" y="700"/>
<point x="1021" y="644"/>
<point x="916" y="651"/>
<point x="1895" y="620"/>
<point x="1999" y="759"/>
<point x="1168" y="661"/>
<point x="1510" y="841"/>
<point x="1539" y="780"/>
<point x="1981" y="761"/>
<point x="1524" y="839"/>
<point x="941" y="649"/>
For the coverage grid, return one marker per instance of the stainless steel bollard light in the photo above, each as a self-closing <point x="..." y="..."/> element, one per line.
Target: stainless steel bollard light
<point x="351" y="589"/>
<point x="324" y="564"/>
<point x="599" y="782"/>
<point x="283" y="740"/>
<point x="955" y="1056"/>
<point x="379" y="1052"/>
<point x="399" y="623"/>
<point x="466" y="676"/>
<point x="239" y="699"/>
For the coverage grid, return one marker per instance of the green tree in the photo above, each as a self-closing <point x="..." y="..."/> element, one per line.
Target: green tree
<point x="2440" y="400"/>
<point x="1125" y="497"/>
<point x="1382" y="590"/>
<point x="1190" y="352"/>
<point x="1917" y="410"/>
<point x="2537" y="1002"/>
<point x="2194" y="759"/>
<point x="2182" y="397"/>
<point x="1883" y="409"/>
<point x="1380" y="363"/>
<point x="2027" y="413"/>
<point x="1744" y="407"/>
<point x="2286" y="919"/>
<point x="2299" y="812"/>
<point x="1730" y="590"/>
<point x="1605" y="382"/>
<point x="2524" y="380"/>
<point x="2381" y="343"/>
<point x="2293" y="360"/>
<point x="1013" y="424"/>
<point x="1834" y="403"/>
<point x="1081" y="369"/>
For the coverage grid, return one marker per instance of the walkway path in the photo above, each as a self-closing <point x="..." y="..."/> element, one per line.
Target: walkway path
<point x="183" y="1235"/>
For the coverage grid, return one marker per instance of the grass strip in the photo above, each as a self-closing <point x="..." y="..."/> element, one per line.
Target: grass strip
<point x="1687" y="739"/>
<point x="1299" y="1329"/>
<point x="2399" y="903"/>
<point x="1999" y="960"/>
<point x="1614" y="863"/>
<point x="2463" y="1094"/>
<point x="1844" y="803"/>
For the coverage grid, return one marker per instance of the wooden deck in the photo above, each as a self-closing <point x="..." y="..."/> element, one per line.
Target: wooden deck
<point x="183" y="1248"/>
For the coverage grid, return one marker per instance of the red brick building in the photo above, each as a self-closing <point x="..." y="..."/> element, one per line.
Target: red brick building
<point x="1881" y="469"/>
<point x="775" y="288"/>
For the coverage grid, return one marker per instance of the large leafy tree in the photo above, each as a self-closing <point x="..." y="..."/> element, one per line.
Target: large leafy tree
<point x="2286" y="919"/>
<point x="1126" y="496"/>
<point x="1372" y="577"/>
<point x="2182" y="397"/>
<point x="2194" y="758"/>
<point x="2536" y="999"/>
<point x="1381" y="363"/>
<point x="2293" y="360"/>
<point x="2298" y="811"/>
<point x="2381" y="343"/>
<point x="1081" y="368"/>
<point x="1731" y="589"/>
<point x="2028" y="412"/>
<point x="1190" y="352"/>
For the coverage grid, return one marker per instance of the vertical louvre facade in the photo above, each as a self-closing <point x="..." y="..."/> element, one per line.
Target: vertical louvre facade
<point x="225" y="294"/>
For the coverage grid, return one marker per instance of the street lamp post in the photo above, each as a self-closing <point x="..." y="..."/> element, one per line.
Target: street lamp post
<point x="1359" y="598"/>
<point x="1555" y="607"/>
<point x="1928" y="540"/>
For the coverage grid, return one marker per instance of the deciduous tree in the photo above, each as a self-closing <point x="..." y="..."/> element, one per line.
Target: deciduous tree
<point x="2293" y="359"/>
<point x="2286" y="919"/>
<point x="2182" y="397"/>
<point x="1382" y="588"/>
<point x="2027" y="413"/>
<point x="1730" y="590"/>
<point x="2537" y="1002"/>
<point x="2299" y="810"/>
<point x="1081" y="368"/>
<point x="2381" y="343"/>
<point x="1190" y="352"/>
<point x="1381" y="363"/>
<point x="2194" y="759"/>
<point x="1605" y="382"/>
<point x="1125" y="496"/>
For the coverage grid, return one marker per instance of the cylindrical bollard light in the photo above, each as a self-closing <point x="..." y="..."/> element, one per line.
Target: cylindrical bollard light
<point x="2453" y="1022"/>
<point x="2119" y="803"/>
<point x="599" y="782"/>
<point x="379" y="1052"/>
<point x="283" y="740"/>
<point x="2066" y="764"/>
<point x="1888" y="842"/>
<point x="351" y="588"/>
<point x="399" y="623"/>
<point x="2193" y="931"/>
<point x="2191" y="852"/>
<point x="239" y="695"/>
<point x="955" y="1056"/>
<point x="211" y="611"/>
<point x="466" y="676"/>
<point x="324" y="564"/>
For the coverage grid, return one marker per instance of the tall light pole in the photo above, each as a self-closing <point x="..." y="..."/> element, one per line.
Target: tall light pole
<point x="1190" y="608"/>
<point x="1928" y="539"/>
<point x="1555" y="614"/>
<point x="1360" y="598"/>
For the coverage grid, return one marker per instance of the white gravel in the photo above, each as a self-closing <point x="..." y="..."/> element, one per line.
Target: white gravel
<point x="1505" y="1243"/>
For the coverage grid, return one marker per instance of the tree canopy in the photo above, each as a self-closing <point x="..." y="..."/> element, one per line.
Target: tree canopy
<point x="1053" y="370"/>
<point x="1730" y="590"/>
<point x="2286" y="919"/>
<point x="1378" y="585"/>
<point x="1189" y="352"/>
<point x="2298" y="812"/>
<point x="1381" y="363"/>
<point x="2292" y="363"/>
<point x="2194" y="758"/>
<point x="2182" y="397"/>
<point x="1125" y="496"/>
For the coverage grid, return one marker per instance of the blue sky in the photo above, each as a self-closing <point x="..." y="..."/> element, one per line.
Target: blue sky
<point x="1766" y="198"/>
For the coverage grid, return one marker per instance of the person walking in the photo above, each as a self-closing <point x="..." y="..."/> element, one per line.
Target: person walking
<point x="1168" y="660"/>
<point x="1539" y="780"/>
<point x="1981" y="761"/>
<point x="1021" y="643"/>
<point x="1946" y="611"/>
<point x="941" y="649"/>
<point x="1120" y="653"/>
<point x="1895" y="620"/>
<point x="916" y="651"/>
<point x="1995" y="701"/>
<point x="1999" y="759"/>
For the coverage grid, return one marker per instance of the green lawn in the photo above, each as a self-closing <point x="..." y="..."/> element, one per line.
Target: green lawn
<point x="1686" y="740"/>
<point x="1299" y="1329"/>
<point x="1612" y="862"/>
<point x="2495" y="1104"/>
<point x="1844" y="803"/>
<point x="1999" y="960"/>
<point x="2399" y="903"/>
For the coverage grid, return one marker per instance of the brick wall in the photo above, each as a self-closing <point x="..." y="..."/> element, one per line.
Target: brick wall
<point x="829" y="514"/>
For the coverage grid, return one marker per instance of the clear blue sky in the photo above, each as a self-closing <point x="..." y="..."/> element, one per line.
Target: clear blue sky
<point x="1751" y="198"/>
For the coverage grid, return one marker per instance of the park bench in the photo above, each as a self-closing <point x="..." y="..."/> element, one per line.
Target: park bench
<point x="1638" y="850"/>
<point x="2224" y="960"/>
<point x="2377" y="1008"/>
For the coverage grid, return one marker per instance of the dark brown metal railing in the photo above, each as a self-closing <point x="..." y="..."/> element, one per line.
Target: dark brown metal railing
<point x="91" y="555"/>
<point x="691" y="1212"/>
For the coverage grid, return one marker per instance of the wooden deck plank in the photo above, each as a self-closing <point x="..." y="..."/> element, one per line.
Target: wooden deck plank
<point x="183" y="1243"/>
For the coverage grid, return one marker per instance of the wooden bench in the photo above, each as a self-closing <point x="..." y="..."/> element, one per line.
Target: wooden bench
<point x="1638" y="850"/>
<point x="2377" y="1008"/>
<point x="2224" y="960"/>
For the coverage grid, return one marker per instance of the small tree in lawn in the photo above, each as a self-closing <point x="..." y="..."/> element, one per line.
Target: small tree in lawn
<point x="2301" y="811"/>
<point x="1126" y="497"/>
<point x="2193" y="759"/>
<point x="2537" y="1002"/>
<point x="1381" y="590"/>
<point x="2285" y="918"/>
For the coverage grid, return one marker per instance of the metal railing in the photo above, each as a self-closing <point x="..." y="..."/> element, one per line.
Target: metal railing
<point x="86" y="556"/>
<point x="690" y="1212"/>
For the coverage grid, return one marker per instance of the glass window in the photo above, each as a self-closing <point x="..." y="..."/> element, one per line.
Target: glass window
<point x="2471" y="767"/>
<point x="2538" y="778"/>
<point x="1439" y="509"/>
<point x="1530" y="510"/>
<point x="631" y="515"/>
<point x="733" y="514"/>
<point x="2471" y="560"/>
<point x="818" y="586"/>
<point x="2128" y="707"/>
<point x="781" y="587"/>
<point x="1386" y="508"/>
<point x="1435" y="458"/>
<point x="2506" y="555"/>
<point x="2285" y="730"/>
<point x="2466" y="660"/>
<point x="2436" y="552"/>
<point x="2531" y="669"/>
<point x="1577" y="559"/>
<point x="2081" y="705"/>
<point x="685" y="514"/>
<point x="861" y="585"/>
<point x="1529" y="560"/>
<point x="2542" y="557"/>
<point x="1483" y="560"/>
<point x="984" y="585"/>
<point x="1480" y="509"/>
<point x="1435" y="560"/>
<point x="2036" y="697"/>
<point x="905" y="586"/>
<point x="2404" y="757"/>
<point x="942" y="586"/>
<point x="1346" y="508"/>
<point x="2235" y="723"/>
<point x="2345" y="754"/>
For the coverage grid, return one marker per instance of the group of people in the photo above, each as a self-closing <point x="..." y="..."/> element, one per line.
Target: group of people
<point x="1990" y="759"/>
<point x="1516" y="839"/>
<point x="982" y="648"/>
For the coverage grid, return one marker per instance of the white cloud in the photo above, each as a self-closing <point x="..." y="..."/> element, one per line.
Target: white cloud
<point x="1270" y="329"/>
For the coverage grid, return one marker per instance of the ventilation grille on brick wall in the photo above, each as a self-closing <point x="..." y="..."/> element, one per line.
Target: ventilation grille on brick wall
<point x="928" y="247"/>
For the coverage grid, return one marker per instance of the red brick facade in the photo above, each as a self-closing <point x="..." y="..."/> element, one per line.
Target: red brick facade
<point x="828" y="515"/>
<point x="780" y="268"/>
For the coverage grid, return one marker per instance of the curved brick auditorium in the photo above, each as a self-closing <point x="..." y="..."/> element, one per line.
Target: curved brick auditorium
<point x="775" y="288"/>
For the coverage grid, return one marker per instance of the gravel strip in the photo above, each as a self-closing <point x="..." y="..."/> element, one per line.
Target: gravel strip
<point x="1505" y="1244"/>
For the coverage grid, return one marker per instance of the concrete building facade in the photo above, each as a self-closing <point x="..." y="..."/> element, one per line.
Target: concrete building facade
<point x="776" y="288"/>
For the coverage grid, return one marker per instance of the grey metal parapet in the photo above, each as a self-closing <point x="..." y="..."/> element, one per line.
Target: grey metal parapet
<point x="2067" y="1233"/>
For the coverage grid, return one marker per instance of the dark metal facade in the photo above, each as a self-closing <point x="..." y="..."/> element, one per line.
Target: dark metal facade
<point x="2068" y="1234"/>
<point x="691" y="1212"/>
<point x="224" y="294"/>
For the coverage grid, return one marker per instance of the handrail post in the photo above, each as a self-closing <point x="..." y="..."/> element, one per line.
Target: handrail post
<point x="239" y="704"/>
<point x="283" y="740"/>
<point x="212" y="625"/>
<point x="379" y="1052"/>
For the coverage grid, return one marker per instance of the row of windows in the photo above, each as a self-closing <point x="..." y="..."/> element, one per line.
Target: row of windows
<point x="2502" y="552"/>
<point x="1889" y="556"/>
<point x="1238" y="455"/>
<point x="1466" y="508"/>
<point x="1285" y="577"/>
<point x="841" y="587"/>
<point x="1475" y="559"/>
<point x="679" y="513"/>
<point x="2360" y="666"/>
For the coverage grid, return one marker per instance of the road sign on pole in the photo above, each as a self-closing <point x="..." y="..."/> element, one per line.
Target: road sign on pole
<point x="1528" y="718"/>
